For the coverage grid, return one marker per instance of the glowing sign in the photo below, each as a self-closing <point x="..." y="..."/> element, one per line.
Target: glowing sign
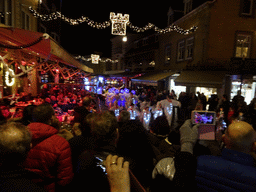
<point x="119" y="23"/>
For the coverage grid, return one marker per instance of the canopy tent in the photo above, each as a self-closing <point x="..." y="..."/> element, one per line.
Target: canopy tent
<point x="212" y="79"/>
<point x="47" y="49"/>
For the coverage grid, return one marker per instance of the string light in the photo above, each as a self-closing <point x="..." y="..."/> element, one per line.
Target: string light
<point x="119" y="23"/>
<point x="146" y="119"/>
<point x="169" y="109"/>
<point x="158" y="113"/>
<point x="82" y="19"/>
<point x="133" y="114"/>
<point x="7" y="80"/>
<point x="117" y="112"/>
<point x="101" y="60"/>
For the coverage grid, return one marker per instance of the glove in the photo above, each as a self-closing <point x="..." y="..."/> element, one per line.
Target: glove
<point x="164" y="167"/>
<point x="188" y="136"/>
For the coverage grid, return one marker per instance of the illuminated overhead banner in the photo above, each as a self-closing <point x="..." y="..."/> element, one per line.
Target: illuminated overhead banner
<point x="95" y="59"/>
<point x="119" y="23"/>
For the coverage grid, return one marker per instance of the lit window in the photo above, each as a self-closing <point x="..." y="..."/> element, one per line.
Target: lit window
<point x="243" y="45"/>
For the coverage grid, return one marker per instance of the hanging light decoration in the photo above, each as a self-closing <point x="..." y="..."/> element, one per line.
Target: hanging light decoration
<point x="119" y="22"/>
<point x="7" y="80"/>
<point x="95" y="59"/>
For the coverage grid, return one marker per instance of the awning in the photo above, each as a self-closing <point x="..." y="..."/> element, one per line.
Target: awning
<point x="152" y="79"/>
<point x="47" y="48"/>
<point x="212" y="79"/>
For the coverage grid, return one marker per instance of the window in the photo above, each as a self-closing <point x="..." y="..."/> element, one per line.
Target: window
<point x="187" y="6"/>
<point x="189" y="48"/>
<point x="25" y="21"/>
<point x="185" y="49"/>
<point x="247" y="7"/>
<point x="167" y="54"/>
<point x="6" y="12"/>
<point x="181" y="50"/>
<point x="243" y="45"/>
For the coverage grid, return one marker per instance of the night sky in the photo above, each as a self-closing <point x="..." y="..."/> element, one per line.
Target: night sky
<point x="85" y="40"/>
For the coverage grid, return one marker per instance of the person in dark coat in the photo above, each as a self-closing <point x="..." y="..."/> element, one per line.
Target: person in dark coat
<point x="235" y="169"/>
<point x="82" y="111"/>
<point x="134" y="145"/>
<point x="89" y="169"/>
<point x="15" y="143"/>
<point x="225" y="104"/>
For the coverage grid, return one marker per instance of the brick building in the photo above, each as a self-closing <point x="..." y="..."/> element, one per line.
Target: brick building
<point x="219" y="55"/>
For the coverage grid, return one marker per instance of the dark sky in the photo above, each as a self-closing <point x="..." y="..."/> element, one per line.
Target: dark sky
<point x="85" y="40"/>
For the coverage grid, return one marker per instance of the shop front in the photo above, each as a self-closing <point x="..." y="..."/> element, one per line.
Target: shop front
<point x="247" y="87"/>
<point x="207" y="82"/>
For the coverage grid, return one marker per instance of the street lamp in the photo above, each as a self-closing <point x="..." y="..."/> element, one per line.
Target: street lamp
<point x="124" y="39"/>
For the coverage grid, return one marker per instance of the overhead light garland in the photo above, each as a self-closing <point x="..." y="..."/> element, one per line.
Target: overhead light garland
<point x="94" y="60"/>
<point x="119" y="23"/>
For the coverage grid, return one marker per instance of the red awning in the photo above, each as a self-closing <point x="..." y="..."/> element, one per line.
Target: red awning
<point x="47" y="48"/>
<point x="17" y="37"/>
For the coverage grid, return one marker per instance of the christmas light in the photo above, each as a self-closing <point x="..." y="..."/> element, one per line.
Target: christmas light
<point x="7" y="80"/>
<point x="101" y="60"/>
<point x="146" y="119"/>
<point x="158" y="113"/>
<point x="119" y="23"/>
<point x="116" y="112"/>
<point x="169" y="109"/>
<point x="133" y="114"/>
<point x="95" y="59"/>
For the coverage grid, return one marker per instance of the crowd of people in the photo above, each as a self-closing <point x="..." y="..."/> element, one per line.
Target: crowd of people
<point x="109" y="147"/>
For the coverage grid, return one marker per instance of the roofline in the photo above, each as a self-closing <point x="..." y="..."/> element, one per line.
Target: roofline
<point x="194" y="11"/>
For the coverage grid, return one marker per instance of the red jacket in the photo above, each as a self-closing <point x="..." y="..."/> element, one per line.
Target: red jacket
<point x="50" y="156"/>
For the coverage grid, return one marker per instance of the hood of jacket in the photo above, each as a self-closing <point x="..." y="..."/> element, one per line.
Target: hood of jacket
<point x="41" y="131"/>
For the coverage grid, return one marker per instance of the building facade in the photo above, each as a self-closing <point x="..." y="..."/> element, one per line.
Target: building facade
<point x="223" y="47"/>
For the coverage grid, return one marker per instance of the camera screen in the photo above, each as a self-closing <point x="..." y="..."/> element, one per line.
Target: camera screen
<point x="203" y="117"/>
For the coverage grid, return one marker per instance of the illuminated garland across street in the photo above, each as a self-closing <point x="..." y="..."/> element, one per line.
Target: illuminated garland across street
<point x="95" y="59"/>
<point x="118" y="21"/>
